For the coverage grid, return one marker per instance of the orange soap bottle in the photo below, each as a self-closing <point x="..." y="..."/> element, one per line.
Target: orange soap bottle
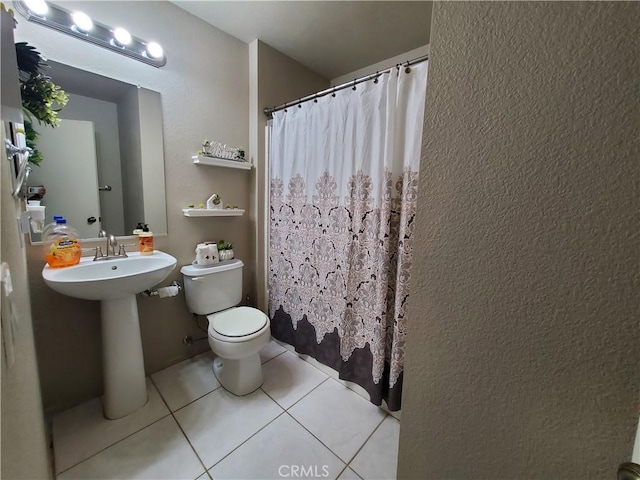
<point x="64" y="250"/>
<point x="145" y="241"/>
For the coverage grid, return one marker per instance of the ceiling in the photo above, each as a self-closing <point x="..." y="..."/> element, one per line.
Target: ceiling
<point x="332" y="38"/>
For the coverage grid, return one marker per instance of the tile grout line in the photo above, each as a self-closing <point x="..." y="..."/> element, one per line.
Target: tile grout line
<point x="245" y="441"/>
<point x="357" y="474"/>
<point x="193" y="401"/>
<point x="342" y="471"/>
<point x="140" y="429"/>
<point x="116" y="442"/>
<point x="365" y="442"/>
<point x="339" y="380"/>
<point x="346" y="464"/>
<point x="386" y="414"/>
<point x="294" y="403"/>
<point x="275" y="356"/>
<point x="180" y="427"/>
<point x="171" y="413"/>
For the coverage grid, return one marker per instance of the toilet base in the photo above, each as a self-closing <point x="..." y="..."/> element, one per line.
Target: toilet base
<point x="240" y="377"/>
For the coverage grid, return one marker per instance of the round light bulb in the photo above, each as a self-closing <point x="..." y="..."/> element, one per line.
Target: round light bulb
<point x="82" y="21"/>
<point x="154" y="50"/>
<point x="122" y="36"/>
<point x="39" y="7"/>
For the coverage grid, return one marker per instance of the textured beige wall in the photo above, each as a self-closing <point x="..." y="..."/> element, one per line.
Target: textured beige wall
<point x="522" y="351"/>
<point x="24" y="450"/>
<point x="24" y="444"/>
<point x="205" y="94"/>
<point x="275" y="79"/>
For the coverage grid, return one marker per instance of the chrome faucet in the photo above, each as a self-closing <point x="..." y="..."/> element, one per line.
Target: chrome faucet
<point x="112" y="244"/>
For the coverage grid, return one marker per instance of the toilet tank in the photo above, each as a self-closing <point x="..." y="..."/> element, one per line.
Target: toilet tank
<point x="212" y="288"/>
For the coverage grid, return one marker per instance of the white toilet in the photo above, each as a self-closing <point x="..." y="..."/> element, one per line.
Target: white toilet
<point x="236" y="334"/>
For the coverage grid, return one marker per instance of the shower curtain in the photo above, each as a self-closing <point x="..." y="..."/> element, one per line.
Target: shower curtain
<point x="344" y="178"/>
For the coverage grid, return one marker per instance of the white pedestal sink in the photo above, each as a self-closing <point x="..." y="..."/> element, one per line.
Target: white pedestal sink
<point x="115" y="282"/>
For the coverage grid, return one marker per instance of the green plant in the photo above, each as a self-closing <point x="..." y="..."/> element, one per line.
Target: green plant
<point x="29" y="60"/>
<point x="31" y="136"/>
<point x="41" y="98"/>
<point x="222" y="245"/>
<point x="39" y="95"/>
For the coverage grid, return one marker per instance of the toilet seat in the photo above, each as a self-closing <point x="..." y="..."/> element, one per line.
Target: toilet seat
<point x="237" y="324"/>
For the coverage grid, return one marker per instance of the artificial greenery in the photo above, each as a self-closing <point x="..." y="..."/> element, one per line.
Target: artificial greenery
<point x="39" y="94"/>
<point x="41" y="98"/>
<point x="222" y="245"/>
<point x="31" y="136"/>
<point x="29" y="60"/>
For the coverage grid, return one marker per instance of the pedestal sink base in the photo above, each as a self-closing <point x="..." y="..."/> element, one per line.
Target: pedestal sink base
<point x="115" y="282"/>
<point x="123" y="363"/>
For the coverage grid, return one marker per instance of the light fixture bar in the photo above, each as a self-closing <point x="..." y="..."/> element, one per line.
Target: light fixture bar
<point x="61" y="20"/>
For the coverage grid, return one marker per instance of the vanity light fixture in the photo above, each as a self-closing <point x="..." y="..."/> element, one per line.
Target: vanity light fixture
<point x="154" y="50"/>
<point x="38" y="7"/>
<point x="82" y="22"/>
<point x="121" y="37"/>
<point x="80" y="25"/>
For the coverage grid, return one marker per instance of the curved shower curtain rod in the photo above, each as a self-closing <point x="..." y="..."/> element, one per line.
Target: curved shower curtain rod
<point x="352" y="83"/>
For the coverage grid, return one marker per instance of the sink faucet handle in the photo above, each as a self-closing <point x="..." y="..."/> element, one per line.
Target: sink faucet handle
<point x="122" y="251"/>
<point x="98" y="253"/>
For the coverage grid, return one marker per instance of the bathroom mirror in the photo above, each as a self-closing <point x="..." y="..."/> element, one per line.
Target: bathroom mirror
<point x="103" y="167"/>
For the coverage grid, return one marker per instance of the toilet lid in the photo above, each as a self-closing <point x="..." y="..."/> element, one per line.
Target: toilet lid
<point x="237" y="322"/>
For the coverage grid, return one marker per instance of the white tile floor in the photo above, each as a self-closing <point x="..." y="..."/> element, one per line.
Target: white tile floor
<point x="300" y="424"/>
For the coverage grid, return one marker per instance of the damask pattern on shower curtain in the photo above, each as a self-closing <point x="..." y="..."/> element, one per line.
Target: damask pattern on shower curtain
<point x="343" y="270"/>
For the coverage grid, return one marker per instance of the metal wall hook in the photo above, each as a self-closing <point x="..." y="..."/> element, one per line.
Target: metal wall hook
<point x="12" y="150"/>
<point x="20" y="187"/>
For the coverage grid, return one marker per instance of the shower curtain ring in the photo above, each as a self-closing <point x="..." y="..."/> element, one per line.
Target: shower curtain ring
<point x="354" y="84"/>
<point x="375" y="80"/>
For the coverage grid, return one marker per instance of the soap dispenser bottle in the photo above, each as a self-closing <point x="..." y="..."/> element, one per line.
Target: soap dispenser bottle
<point x="145" y="241"/>
<point x="139" y="229"/>
<point x="64" y="250"/>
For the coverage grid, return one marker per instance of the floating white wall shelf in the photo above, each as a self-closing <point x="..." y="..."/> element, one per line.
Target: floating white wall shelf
<point x="220" y="162"/>
<point x="203" y="212"/>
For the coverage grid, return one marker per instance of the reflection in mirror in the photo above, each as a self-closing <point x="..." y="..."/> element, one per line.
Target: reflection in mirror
<point x="103" y="167"/>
